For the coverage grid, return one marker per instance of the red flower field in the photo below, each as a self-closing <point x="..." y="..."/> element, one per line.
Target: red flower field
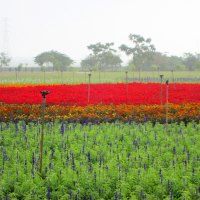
<point x="132" y="93"/>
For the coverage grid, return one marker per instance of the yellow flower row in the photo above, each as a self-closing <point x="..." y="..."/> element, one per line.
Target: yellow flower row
<point x="102" y="113"/>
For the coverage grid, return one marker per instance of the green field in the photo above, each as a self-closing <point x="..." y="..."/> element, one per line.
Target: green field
<point x="96" y="77"/>
<point x="106" y="161"/>
<point x="116" y="161"/>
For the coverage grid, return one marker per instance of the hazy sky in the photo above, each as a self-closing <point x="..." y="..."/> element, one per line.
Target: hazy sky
<point x="69" y="26"/>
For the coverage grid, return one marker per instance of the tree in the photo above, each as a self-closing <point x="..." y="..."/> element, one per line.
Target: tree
<point x="155" y="67"/>
<point x="19" y="67"/>
<point x="58" y="60"/>
<point x="190" y="60"/>
<point x="180" y="67"/>
<point x="197" y="65"/>
<point x="4" y="59"/>
<point x="103" y="55"/>
<point x="158" y="61"/>
<point x="99" y="48"/>
<point x="174" y="61"/>
<point x="89" y="63"/>
<point x="131" y="67"/>
<point x="110" y="61"/>
<point x="142" y="49"/>
<point x="107" y="61"/>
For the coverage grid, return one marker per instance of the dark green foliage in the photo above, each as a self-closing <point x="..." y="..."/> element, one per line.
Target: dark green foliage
<point x="55" y="59"/>
<point x="4" y="59"/>
<point x="103" y="57"/>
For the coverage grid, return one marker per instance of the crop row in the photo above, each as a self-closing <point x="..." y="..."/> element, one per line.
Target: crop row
<point x="107" y="161"/>
<point x="84" y="94"/>
<point x="102" y="113"/>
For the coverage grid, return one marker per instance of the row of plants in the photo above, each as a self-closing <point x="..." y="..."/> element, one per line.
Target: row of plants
<point x="84" y="94"/>
<point x="102" y="113"/>
<point x="106" y="161"/>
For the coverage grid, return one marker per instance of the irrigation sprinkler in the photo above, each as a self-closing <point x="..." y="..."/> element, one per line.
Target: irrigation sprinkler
<point x="167" y="106"/>
<point x="44" y="93"/>
<point x="89" y="80"/>
<point x="161" y="100"/>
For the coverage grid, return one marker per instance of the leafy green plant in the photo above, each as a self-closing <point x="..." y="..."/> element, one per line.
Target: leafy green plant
<point x="105" y="161"/>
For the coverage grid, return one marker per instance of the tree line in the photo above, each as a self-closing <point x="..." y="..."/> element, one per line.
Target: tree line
<point x="103" y="57"/>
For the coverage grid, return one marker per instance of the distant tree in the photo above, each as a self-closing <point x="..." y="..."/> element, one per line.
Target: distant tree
<point x="155" y="67"/>
<point x="107" y="61"/>
<point x="101" y="53"/>
<point x="142" y="49"/>
<point x="174" y="61"/>
<point x="59" y="61"/>
<point x="98" y="48"/>
<point x="4" y="59"/>
<point x="180" y="67"/>
<point x="158" y="60"/>
<point x="190" y="60"/>
<point x="131" y="66"/>
<point x="197" y="65"/>
<point x="89" y="62"/>
<point x="110" y="61"/>
<point x="19" y="67"/>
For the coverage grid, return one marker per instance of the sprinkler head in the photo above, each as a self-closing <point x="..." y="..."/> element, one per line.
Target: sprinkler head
<point x="161" y="76"/>
<point x="89" y="74"/>
<point x="44" y="93"/>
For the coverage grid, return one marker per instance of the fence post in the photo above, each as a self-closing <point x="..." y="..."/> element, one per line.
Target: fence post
<point x="89" y="76"/>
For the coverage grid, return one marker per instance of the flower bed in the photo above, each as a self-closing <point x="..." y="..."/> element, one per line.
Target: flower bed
<point x="102" y="113"/>
<point x="132" y="93"/>
<point x="108" y="102"/>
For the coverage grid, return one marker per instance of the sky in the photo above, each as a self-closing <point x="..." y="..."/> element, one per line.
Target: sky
<point x="69" y="26"/>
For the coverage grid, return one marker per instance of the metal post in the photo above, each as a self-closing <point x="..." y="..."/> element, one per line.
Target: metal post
<point x="89" y="76"/>
<point x="61" y="74"/>
<point x="44" y="75"/>
<point x="139" y="75"/>
<point x="167" y="106"/>
<point x="73" y="76"/>
<point x="173" y="76"/>
<point x="126" y="76"/>
<point x="43" y="93"/>
<point x="161" y="100"/>
<point x="16" y="74"/>
<point x="126" y="85"/>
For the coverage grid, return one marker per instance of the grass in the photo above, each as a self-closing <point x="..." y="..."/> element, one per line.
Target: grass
<point x="103" y="77"/>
